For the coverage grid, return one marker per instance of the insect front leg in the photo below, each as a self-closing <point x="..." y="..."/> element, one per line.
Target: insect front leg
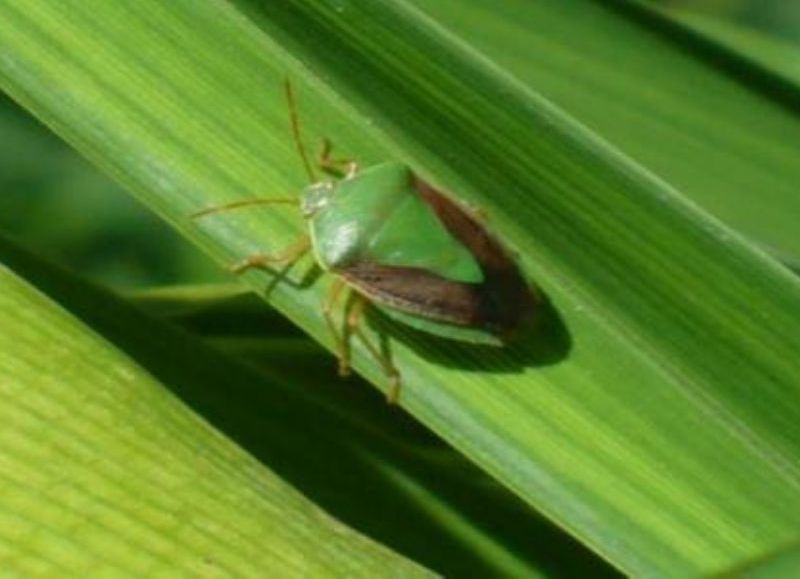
<point x="340" y="168"/>
<point x="354" y="320"/>
<point x="287" y="256"/>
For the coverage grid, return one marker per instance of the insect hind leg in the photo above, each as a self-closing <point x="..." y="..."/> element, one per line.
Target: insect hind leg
<point x="354" y="320"/>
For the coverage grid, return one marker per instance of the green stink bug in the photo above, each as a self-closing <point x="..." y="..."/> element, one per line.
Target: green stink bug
<point x="406" y="248"/>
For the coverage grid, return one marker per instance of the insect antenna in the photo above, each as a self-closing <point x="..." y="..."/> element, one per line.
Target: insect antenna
<point x="296" y="135"/>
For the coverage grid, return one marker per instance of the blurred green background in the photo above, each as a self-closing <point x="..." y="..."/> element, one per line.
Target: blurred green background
<point x="56" y="203"/>
<point x="103" y="233"/>
<point x="779" y="18"/>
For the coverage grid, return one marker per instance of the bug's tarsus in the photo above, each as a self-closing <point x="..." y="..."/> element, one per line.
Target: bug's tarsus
<point x="393" y="393"/>
<point x="244" y="203"/>
<point x="294" y="120"/>
<point x="286" y="256"/>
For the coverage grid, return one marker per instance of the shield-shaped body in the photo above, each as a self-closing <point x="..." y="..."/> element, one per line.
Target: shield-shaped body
<point x="419" y="256"/>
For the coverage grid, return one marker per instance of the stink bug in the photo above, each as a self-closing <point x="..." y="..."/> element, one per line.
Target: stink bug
<point x="401" y="245"/>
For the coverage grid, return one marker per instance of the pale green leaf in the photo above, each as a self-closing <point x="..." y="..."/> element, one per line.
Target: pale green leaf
<point x="105" y="472"/>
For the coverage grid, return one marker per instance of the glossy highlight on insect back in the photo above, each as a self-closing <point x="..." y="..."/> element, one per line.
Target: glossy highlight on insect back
<point x="400" y="245"/>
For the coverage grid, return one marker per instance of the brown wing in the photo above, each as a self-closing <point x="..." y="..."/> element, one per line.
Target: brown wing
<point x="418" y="291"/>
<point x="488" y="252"/>
<point x="500" y="304"/>
<point x="507" y="301"/>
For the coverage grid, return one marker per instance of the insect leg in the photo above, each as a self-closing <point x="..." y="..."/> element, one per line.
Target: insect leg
<point x="288" y="255"/>
<point x="341" y="168"/>
<point x="339" y="341"/>
<point x="354" y="319"/>
<point x="245" y="203"/>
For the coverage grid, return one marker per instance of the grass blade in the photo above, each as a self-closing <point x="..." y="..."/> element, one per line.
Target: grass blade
<point x="719" y="128"/>
<point x="104" y="470"/>
<point x="424" y="499"/>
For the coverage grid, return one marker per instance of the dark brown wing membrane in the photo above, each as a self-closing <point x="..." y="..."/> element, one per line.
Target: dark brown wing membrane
<point x="500" y="304"/>
<point x="418" y="291"/>
<point x="487" y="251"/>
<point x="507" y="301"/>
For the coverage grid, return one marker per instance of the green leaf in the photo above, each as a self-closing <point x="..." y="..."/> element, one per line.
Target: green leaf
<point x="717" y="126"/>
<point x="109" y="236"/>
<point x="761" y="48"/>
<point x="655" y="412"/>
<point x="424" y="499"/>
<point x="782" y="564"/>
<point x="105" y="471"/>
